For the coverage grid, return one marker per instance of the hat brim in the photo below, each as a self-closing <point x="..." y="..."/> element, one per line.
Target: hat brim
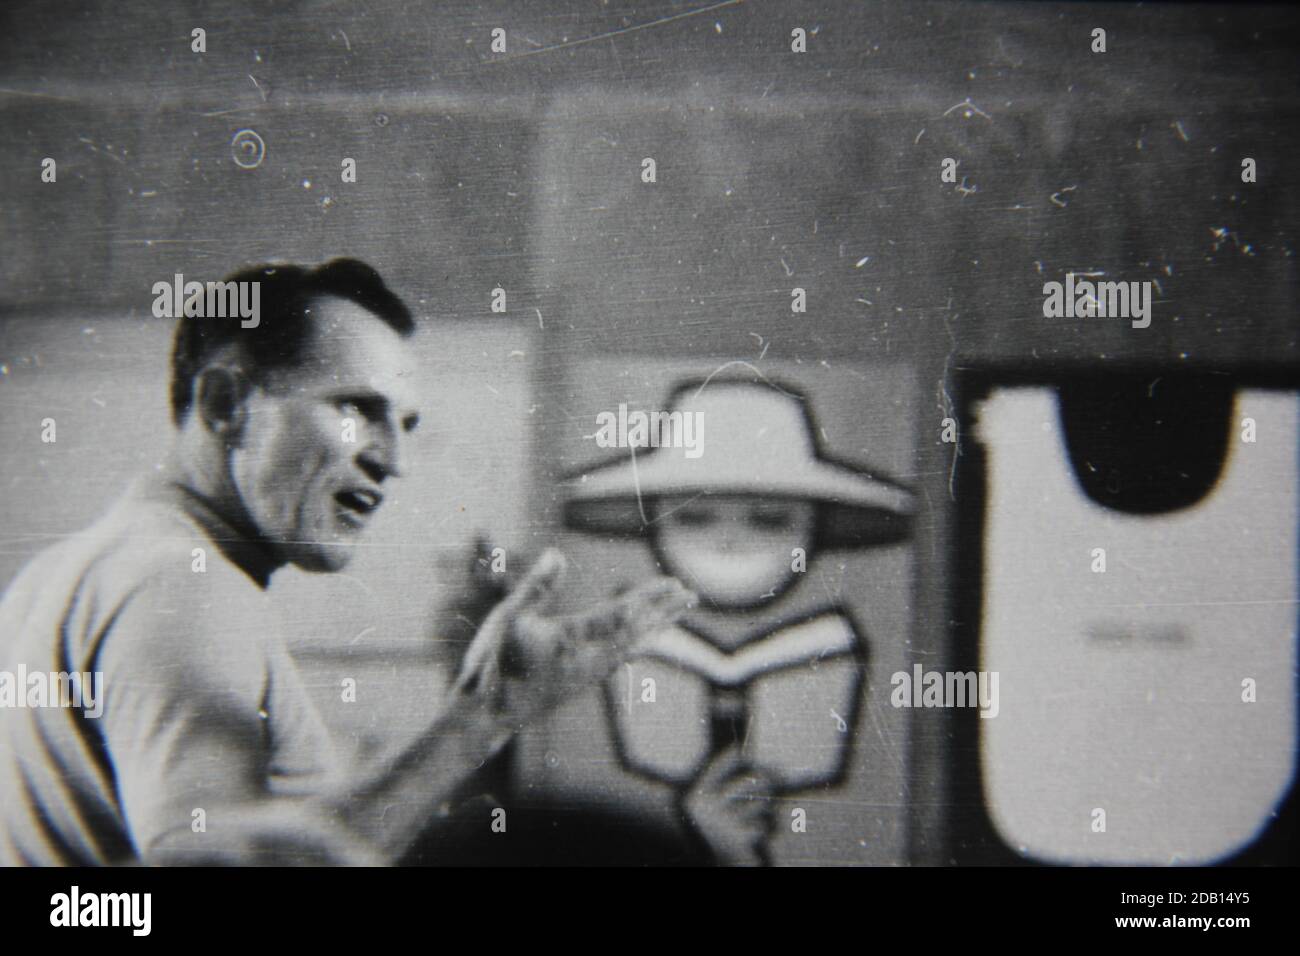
<point x="855" y="509"/>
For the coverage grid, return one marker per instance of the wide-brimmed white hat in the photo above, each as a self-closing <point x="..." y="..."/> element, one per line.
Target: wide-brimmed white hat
<point x="757" y="439"/>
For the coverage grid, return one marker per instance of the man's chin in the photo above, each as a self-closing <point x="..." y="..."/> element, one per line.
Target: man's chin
<point x="325" y="558"/>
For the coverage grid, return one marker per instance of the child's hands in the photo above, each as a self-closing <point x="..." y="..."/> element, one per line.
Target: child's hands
<point x="731" y="807"/>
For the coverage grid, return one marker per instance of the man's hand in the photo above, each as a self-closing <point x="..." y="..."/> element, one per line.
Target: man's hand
<point x="730" y="807"/>
<point x="527" y="662"/>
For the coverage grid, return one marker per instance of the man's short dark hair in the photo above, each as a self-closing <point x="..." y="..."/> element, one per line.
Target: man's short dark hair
<point x="286" y="292"/>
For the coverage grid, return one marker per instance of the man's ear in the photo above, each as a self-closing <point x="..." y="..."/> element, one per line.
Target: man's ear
<point x="219" y="400"/>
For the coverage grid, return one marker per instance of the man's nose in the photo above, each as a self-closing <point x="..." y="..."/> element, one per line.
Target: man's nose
<point x="381" y="456"/>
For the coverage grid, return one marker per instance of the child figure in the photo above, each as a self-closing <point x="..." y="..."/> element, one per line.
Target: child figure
<point x="740" y="702"/>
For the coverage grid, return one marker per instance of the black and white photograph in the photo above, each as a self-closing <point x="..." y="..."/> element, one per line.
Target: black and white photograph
<point x="586" y="433"/>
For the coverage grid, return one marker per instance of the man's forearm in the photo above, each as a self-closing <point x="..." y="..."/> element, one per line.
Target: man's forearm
<point x="397" y="801"/>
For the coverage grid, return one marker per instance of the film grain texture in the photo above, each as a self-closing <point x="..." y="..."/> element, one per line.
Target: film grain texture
<point x="648" y="434"/>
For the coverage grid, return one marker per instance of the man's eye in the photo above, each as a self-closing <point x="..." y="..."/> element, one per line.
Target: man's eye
<point x="349" y="409"/>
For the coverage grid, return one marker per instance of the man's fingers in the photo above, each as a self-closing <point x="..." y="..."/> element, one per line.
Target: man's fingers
<point x="663" y="605"/>
<point x="591" y="645"/>
<point x="532" y="592"/>
<point x="538" y="584"/>
<point x="641" y="611"/>
<point x="572" y="650"/>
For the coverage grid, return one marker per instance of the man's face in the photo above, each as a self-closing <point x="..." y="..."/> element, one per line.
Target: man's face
<point x="735" y="551"/>
<point x="320" y="440"/>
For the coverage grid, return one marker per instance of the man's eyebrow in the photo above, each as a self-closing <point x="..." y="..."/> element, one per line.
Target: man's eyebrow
<point x="374" y="405"/>
<point x="363" y="399"/>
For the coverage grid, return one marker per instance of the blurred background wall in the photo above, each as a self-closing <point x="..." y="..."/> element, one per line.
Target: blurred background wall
<point x="522" y="171"/>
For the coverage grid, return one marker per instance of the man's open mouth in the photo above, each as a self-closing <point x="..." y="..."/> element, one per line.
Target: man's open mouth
<point x="361" y="502"/>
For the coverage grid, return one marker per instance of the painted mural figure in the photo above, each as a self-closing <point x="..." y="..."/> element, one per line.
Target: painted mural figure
<point x="741" y="700"/>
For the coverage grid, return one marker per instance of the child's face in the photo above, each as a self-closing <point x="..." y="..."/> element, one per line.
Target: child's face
<point x="732" y="550"/>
